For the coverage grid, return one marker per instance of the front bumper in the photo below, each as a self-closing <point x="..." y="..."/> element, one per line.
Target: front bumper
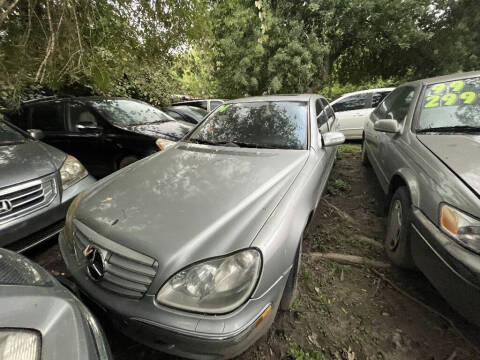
<point x="177" y="332"/>
<point x="41" y="225"/>
<point x="453" y="270"/>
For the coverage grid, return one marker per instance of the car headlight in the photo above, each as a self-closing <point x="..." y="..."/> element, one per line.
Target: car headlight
<point x="19" y="344"/>
<point x="215" y="286"/>
<point x="462" y="227"/>
<point x="71" y="172"/>
<point x="163" y="144"/>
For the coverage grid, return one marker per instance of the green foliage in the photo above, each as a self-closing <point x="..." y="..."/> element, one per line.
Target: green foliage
<point x="194" y="72"/>
<point x="297" y="353"/>
<point x="347" y="149"/>
<point x="337" y="187"/>
<point x="71" y="45"/>
<point x="335" y="89"/>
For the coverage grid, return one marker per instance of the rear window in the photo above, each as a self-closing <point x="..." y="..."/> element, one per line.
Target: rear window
<point x="265" y="124"/>
<point x="451" y="104"/>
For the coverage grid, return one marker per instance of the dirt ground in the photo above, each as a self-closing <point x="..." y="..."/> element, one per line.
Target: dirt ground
<point x="343" y="311"/>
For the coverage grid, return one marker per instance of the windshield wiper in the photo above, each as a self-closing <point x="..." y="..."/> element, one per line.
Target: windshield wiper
<point x="457" y="129"/>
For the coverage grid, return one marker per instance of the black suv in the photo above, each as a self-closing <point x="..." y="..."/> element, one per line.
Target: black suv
<point x="105" y="134"/>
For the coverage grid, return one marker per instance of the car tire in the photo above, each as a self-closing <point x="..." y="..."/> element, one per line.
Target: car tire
<point x="291" y="288"/>
<point x="365" y="159"/>
<point x="397" y="239"/>
<point x="127" y="160"/>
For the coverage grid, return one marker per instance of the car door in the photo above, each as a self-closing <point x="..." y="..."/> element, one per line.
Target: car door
<point x="352" y="112"/>
<point x="85" y="132"/>
<point x="49" y="117"/>
<point x="395" y="106"/>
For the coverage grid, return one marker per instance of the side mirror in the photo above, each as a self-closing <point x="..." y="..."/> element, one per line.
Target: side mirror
<point x="36" y="134"/>
<point x="87" y="126"/>
<point x="387" y="126"/>
<point x="333" y="138"/>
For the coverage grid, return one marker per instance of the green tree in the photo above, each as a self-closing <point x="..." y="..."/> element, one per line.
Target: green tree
<point x="93" y="46"/>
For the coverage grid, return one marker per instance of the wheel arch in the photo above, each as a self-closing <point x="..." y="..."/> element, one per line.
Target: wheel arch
<point x="405" y="177"/>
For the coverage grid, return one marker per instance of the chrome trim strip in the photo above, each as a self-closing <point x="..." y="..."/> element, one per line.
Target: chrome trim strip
<point x="44" y="183"/>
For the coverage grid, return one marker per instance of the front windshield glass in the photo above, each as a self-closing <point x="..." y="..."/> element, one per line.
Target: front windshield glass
<point x="263" y="124"/>
<point x="124" y="112"/>
<point x="196" y="112"/>
<point x="9" y="135"/>
<point x="454" y="104"/>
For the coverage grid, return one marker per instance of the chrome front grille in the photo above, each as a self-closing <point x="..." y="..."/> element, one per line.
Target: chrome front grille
<point x="19" y="200"/>
<point x="126" y="272"/>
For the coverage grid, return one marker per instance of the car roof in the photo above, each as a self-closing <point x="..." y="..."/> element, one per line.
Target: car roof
<point x="443" y="78"/>
<point x="291" y="97"/>
<point x="367" y="91"/>
<point x="78" y="98"/>
<point x="195" y="100"/>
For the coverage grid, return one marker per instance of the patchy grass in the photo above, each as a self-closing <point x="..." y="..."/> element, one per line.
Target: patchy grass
<point x="338" y="187"/>
<point x="297" y="353"/>
<point x="345" y="150"/>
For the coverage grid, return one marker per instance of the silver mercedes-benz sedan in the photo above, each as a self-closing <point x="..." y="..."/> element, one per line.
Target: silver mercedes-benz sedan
<point x="193" y="250"/>
<point x="423" y="141"/>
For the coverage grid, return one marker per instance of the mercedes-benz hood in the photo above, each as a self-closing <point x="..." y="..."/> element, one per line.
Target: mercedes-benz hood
<point x="191" y="202"/>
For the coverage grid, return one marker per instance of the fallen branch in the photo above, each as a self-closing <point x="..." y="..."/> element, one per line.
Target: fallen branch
<point x="350" y="259"/>
<point x="368" y="241"/>
<point x="429" y="308"/>
<point x="341" y="213"/>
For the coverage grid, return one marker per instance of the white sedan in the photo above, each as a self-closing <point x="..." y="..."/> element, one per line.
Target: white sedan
<point x="353" y="109"/>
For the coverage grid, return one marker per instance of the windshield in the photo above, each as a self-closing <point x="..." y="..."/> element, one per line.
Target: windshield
<point x="9" y="135"/>
<point x="196" y="112"/>
<point x="267" y="124"/>
<point x="453" y="104"/>
<point x="128" y="112"/>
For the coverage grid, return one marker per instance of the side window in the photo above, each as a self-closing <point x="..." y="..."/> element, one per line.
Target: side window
<point x="47" y="117"/>
<point x="396" y="105"/>
<point x="378" y="97"/>
<point x="79" y="113"/>
<point x="352" y="102"/>
<point x="400" y="106"/>
<point x="320" y="113"/>
<point x="328" y="108"/>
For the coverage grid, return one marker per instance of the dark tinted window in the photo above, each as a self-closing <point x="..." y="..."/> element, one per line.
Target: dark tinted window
<point x="321" y="114"/>
<point x="396" y="105"/>
<point x="173" y="114"/>
<point x="47" y="117"/>
<point x="265" y="124"/>
<point x="352" y="102"/>
<point x="80" y="113"/>
<point x="377" y="97"/>
<point x="128" y="112"/>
